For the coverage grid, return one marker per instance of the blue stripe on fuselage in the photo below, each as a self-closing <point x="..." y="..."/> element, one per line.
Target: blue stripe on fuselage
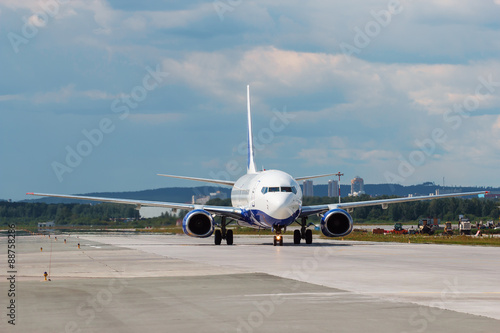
<point x="264" y="219"/>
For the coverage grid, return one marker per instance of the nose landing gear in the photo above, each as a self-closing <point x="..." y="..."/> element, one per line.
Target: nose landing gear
<point x="278" y="238"/>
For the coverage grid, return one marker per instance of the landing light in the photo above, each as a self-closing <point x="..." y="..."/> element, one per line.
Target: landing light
<point x="278" y="237"/>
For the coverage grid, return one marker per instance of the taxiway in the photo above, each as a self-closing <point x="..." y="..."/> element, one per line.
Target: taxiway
<point x="159" y="283"/>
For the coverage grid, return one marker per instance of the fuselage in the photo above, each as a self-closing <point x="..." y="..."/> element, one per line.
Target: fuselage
<point x="271" y="198"/>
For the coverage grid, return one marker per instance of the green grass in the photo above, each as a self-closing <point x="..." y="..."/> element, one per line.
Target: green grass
<point x="423" y="239"/>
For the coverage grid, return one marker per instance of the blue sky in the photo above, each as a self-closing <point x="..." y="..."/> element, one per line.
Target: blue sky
<point x="103" y="95"/>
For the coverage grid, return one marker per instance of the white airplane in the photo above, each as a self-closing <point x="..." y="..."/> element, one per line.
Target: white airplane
<point x="268" y="199"/>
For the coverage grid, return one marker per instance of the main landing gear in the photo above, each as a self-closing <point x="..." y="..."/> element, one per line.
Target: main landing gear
<point x="223" y="233"/>
<point x="303" y="233"/>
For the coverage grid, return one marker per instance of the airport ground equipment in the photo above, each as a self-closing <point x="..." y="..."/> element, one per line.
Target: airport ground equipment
<point x="464" y="226"/>
<point x="448" y="229"/>
<point x="489" y="225"/>
<point x="425" y="227"/>
<point x="398" y="229"/>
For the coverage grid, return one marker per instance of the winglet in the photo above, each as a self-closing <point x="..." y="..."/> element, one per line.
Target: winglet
<point x="251" y="163"/>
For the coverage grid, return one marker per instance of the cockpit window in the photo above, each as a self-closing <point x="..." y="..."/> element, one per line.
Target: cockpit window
<point x="289" y="189"/>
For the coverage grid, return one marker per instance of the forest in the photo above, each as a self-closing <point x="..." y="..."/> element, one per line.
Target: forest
<point x="104" y="214"/>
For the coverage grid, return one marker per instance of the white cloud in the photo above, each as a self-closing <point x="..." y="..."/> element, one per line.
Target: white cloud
<point x="60" y="96"/>
<point x="431" y="88"/>
<point x="69" y="92"/>
<point x="496" y="124"/>
<point x="4" y="98"/>
<point x="37" y="20"/>
<point x="212" y="164"/>
<point x="97" y="95"/>
<point x="314" y="156"/>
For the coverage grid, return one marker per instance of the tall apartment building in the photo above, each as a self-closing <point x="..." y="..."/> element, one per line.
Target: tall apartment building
<point x="307" y="187"/>
<point x="357" y="186"/>
<point x="333" y="188"/>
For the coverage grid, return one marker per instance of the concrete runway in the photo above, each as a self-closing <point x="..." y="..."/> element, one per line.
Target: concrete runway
<point x="169" y="283"/>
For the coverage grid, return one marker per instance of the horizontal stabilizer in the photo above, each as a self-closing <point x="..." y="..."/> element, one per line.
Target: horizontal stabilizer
<point x="311" y="177"/>
<point x="215" y="181"/>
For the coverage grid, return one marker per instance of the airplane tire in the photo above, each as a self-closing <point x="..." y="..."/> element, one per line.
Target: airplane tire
<point x="218" y="237"/>
<point x="281" y="241"/>
<point x="229" y="237"/>
<point x="309" y="236"/>
<point x="296" y="236"/>
<point x="275" y="241"/>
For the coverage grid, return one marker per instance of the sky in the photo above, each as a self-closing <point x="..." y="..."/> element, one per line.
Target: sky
<point x="104" y="95"/>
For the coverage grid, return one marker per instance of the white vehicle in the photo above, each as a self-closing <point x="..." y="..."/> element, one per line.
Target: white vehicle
<point x="269" y="199"/>
<point x="465" y="227"/>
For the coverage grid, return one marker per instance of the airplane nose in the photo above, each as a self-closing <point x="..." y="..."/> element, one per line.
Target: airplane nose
<point x="282" y="206"/>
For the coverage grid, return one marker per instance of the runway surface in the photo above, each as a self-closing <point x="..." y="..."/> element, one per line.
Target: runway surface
<point x="170" y="283"/>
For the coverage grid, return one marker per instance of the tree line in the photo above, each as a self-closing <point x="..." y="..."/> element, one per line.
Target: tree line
<point x="447" y="209"/>
<point x="29" y="214"/>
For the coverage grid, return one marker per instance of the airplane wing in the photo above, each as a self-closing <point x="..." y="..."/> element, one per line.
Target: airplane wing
<point x="318" y="209"/>
<point x="217" y="210"/>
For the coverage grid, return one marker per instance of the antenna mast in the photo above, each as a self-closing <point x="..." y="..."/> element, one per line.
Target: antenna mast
<point x="339" y="174"/>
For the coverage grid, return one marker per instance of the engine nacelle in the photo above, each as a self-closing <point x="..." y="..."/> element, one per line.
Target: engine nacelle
<point x="198" y="223"/>
<point x="336" y="223"/>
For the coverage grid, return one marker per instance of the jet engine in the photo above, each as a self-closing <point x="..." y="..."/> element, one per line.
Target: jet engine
<point x="198" y="223"/>
<point x="336" y="223"/>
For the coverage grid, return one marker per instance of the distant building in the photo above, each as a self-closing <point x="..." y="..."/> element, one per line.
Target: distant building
<point x="357" y="186"/>
<point x="46" y="227"/>
<point x="49" y="224"/>
<point x="203" y="199"/>
<point x="308" y="189"/>
<point x="333" y="188"/>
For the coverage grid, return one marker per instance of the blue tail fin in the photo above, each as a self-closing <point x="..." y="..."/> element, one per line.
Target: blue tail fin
<point x="251" y="163"/>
